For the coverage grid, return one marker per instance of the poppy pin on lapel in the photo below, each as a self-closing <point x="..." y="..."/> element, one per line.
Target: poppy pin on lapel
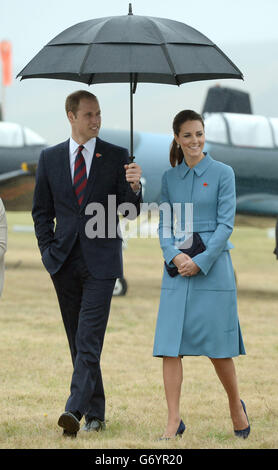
<point x="98" y="155"/>
<point x="205" y="184"/>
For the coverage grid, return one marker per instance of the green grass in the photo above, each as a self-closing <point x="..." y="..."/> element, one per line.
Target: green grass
<point x="36" y="366"/>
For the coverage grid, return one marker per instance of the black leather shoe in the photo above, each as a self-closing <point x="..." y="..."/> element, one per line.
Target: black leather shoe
<point x="69" y="434"/>
<point x="69" y="423"/>
<point x="94" y="424"/>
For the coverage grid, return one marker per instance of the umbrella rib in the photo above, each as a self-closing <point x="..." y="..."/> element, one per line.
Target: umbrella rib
<point x="228" y="59"/>
<point x="106" y="20"/>
<point x="85" y="58"/>
<point x="166" y="53"/>
<point x="164" y="48"/>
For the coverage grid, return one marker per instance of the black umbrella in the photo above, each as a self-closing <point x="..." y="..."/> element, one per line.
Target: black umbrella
<point x="131" y="49"/>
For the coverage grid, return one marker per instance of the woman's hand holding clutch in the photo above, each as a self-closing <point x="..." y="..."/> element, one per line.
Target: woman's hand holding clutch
<point x="185" y="265"/>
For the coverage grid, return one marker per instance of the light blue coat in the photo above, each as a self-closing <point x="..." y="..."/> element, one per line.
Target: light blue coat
<point x="198" y="314"/>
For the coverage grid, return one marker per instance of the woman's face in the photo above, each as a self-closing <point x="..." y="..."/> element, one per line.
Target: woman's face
<point x="191" y="138"/>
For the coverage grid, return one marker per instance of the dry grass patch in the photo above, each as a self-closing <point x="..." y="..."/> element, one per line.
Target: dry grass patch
<point x="36" y="367"/>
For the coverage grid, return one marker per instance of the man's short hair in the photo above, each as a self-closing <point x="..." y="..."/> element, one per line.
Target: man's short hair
<point x="73" y="100"/>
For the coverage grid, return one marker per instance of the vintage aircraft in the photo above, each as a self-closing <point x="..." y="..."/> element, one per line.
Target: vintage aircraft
<point x="20" y="148"/>
<point x="247" y="142"/>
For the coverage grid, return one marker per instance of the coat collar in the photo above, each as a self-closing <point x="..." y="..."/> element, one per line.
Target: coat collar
<point x="199" y="169"/>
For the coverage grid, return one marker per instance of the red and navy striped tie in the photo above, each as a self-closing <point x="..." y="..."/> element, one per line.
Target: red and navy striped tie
<point x="80" y="175"/>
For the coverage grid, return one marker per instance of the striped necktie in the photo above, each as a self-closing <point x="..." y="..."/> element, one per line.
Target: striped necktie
<point x="80" y="175"/>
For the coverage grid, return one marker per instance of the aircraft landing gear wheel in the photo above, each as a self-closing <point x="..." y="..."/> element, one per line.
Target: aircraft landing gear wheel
<point x="120" y="287"/>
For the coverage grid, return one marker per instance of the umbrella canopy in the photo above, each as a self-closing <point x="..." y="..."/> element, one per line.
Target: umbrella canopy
<point x="132" y="49"/>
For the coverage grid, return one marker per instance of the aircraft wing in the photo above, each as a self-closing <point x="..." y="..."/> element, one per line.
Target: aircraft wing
<point x="260" y="203"/>
<point x="17" y="187"/>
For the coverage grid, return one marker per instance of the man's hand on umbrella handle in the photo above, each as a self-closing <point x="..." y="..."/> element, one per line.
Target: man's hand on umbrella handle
<point x="133" y="174"/>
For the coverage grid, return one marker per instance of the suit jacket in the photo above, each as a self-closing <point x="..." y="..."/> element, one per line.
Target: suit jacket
<point x="3" y="243"/>
<point x="54" y="198"/>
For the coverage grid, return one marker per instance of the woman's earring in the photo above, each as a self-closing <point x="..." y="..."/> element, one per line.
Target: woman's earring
<point x="178" y="145"/>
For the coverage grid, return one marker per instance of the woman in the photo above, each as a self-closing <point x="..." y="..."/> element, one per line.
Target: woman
<point x="3" y="243"/>
<point x="198" y="306"/>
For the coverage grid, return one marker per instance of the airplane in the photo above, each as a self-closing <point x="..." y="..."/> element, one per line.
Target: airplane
<point x="246" y="142"/>
<point x="20" y="149"/>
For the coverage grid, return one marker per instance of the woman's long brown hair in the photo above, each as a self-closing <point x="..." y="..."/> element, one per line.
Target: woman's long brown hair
<point x="176" y="153"/>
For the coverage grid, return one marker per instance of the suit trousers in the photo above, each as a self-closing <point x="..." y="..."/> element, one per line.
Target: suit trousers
<point x="85" y="304"/>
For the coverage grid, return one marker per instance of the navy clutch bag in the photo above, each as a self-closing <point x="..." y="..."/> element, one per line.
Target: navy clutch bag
<point x="197" y="247"/>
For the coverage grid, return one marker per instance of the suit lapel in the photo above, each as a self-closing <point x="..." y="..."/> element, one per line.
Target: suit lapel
<point x="66" y="178"/>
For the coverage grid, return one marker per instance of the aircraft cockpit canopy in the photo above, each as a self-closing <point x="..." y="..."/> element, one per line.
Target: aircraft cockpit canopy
<point x="243" y="130"/>
<point x="15" y="135"/>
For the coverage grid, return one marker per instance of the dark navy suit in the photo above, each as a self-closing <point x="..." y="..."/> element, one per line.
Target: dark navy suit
<point x="83" y="269"/>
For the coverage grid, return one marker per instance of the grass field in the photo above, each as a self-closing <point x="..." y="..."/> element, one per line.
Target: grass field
<point x="36" y="366"/>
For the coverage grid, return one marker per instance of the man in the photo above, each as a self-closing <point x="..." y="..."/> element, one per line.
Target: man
<point x="70" y="177"/>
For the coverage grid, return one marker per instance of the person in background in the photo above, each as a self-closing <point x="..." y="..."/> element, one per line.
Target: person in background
<point x="3" y="243"/>
<point x="276" y="238"/>
<point x="198" y="303"/>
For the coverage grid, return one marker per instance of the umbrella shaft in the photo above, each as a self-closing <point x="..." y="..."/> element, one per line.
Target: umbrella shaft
<point x="133" y="85"/>
<point x="131" y="120"/>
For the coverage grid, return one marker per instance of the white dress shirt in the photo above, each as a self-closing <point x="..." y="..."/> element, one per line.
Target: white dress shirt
<point x="87" y="152"/>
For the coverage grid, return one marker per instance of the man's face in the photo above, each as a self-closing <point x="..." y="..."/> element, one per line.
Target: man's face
<point x="87" y="121"/>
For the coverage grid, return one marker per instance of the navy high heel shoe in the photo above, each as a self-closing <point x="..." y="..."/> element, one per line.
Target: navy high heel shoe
<point x="179" y="432"/>
<point x="243" y="433"/>
<point x="181" y="429"/>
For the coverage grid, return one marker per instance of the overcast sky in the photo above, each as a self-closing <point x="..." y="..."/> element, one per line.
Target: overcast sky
<point x="246" y="30"/>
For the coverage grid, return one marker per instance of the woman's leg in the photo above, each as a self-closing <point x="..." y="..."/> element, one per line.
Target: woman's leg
<point x="172" y="376"/>
<point x="226" y="372"/>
